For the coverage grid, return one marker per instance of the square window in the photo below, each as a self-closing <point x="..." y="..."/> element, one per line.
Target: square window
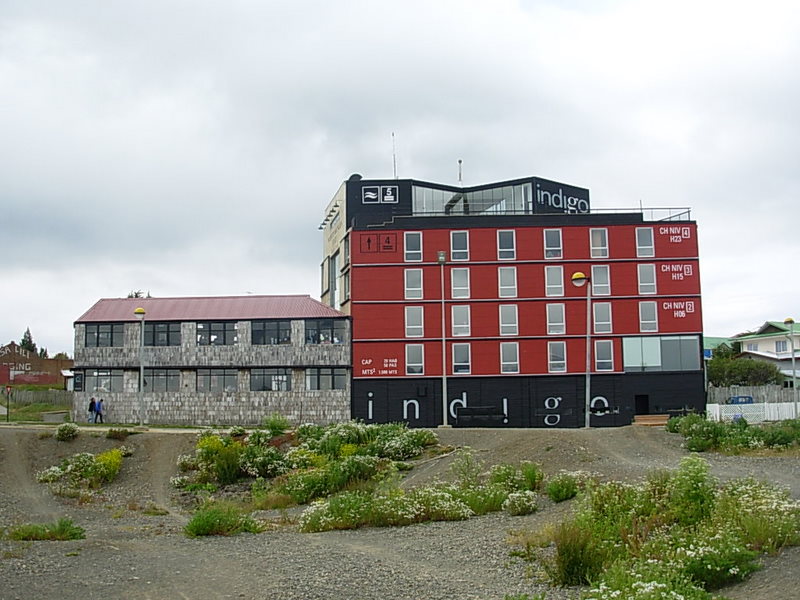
<point x="507" y="282"/>
<point x="459" y="280"/>
<point x="415" y="362"/>
<point x="413" y="246"/>
<point x="601" y="280"/>
<point x="781" y="346"/>
<point x="647" y="279"/>
<point x="508" y="319"/>
<point x="552" y="243"/>
<point x="509" y="357"/>
<point x="598" y="239"/>
<point x="414" y="321"/>
<point x="506" y="245"/>
<point x="461" y="358"/>
<point x="459" y="245"/>
<point x="554" y="281"/>
<point x="556" y="357"/>
<point x="413" y="284"/>
<point x="555" y="319"/>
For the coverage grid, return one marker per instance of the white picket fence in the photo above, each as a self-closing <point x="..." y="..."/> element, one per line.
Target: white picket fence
<point x="753" y="413"/>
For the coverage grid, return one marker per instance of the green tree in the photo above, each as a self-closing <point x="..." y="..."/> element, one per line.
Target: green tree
<point x="43" y="353"/>
<point x="724" y="371"/>
<point x="27" y="342"/>
<point x="61" y="356"/>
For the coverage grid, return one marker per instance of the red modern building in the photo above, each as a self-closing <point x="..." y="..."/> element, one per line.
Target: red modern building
<point x="466" y="298"/>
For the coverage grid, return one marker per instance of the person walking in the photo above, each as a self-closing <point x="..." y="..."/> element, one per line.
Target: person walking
<point x="92" y="408"/>
<point x="99" y="409"/>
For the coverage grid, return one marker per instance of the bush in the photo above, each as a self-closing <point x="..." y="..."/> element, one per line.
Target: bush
<point x="263" y="461"/>
<point x="562" y="487"/>
<point x="521" y="503"/>
<point x="66" y="432"/>
<point x="63" y="529"/>
<point x="107" y="465"/>
<point x="482" y="499"/>
<point x="507" y="476"/>
<point x="692" y="493"/>
<point x="532" y="474"/>
<point x="117" y="434"/>
<point x="276" y="424"/>
<point x="226" y="464"/>
<point x="220" y="519"/>
<point x="579" y="557"/>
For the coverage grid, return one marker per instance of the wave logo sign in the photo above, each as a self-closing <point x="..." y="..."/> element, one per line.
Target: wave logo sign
<point x="379" y="194"/>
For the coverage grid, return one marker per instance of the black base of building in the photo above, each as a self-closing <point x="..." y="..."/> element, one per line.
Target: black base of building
<point x="543" y="401"/>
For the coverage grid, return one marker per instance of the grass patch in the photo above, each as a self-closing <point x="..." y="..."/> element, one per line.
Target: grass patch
<point x="61" y="530"/>
<point x="220" y="518"/>
<point x="32" y="412"/>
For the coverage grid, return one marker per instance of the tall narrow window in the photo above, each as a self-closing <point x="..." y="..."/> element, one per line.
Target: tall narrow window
<point x="459" y="245"/>
<point x="602" y="317"/>
<point x="509" y="357"/>
<point x="415" y="359"/>
<point x="460" y="324"/>
<point x="552" y="243"/>
<point x="414" y="322"/>
<point x="644" y="242"/>
<point x="460" y="283"/>
<point x="648" y="318"/>
<point x="554" y="281"/>
<point x="601" y="280"/>
<point x="556" y="357"/>
<point x="461" y="358"/>
<point x="647" y="279"/>
<point x="555" y="319"/>
<point x="508" y="319"/>
<point x="506" y="245"/>
<point x="413" y="284"/>
<point x="507" y="282"/>
<point x="598" y="239"/>
<point x="413" y="246"/>
<point x="604" y="355"/>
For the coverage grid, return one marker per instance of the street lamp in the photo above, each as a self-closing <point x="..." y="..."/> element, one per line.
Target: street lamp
<point x="139" y="313"/>
<point x="441" y="258"/>
<point x="790" y="322"/>
<point x="579" y="279"/>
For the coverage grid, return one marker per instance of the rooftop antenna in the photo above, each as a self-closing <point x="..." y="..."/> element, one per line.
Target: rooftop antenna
<point x="394" y="158"/>
<point x="460" y="182"/>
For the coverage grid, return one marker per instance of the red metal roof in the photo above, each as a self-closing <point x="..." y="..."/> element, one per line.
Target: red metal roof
<point x="209" y="308"/>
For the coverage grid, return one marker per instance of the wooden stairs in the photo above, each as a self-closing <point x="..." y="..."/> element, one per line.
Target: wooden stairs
<point x="651" y="420"/>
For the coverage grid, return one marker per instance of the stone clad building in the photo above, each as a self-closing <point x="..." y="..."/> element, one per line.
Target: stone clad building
<point x="229" y="360"/>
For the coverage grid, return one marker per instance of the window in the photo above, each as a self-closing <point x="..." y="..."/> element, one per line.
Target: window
<point x="552" y="243"/>
<point x="604" y="355"/>
<point x="326" y="378"/>
<point x="103" y="335"/>
<point x="654" y="353"/>
<point x="598" y="241"/>
<point x="271" y="333"/>
<point x="459" y="279"/>
<point x="415" y="362"/>
<point x="509" y="357"/>
<point x="507" y="282"/>
<point x="413" y="246"/>
<point x="506" y="246"/>
<point x="270" y="380"/>
<point x="644" y="242"/>
<point x="217" y="381"/>
<point x="461" y="358"/>
<point x="413" y="279"/>
<point x="459" y="245"/>
<point x="752" y="347"/>
<point x="508" y="319"/>
<point x="556" y="357"/>
<point x="162" y="334"/>
<point x="554" y="281"/>
<point x="414" y="323"/>
<point x="325" y="331"/>
<point x="103" y="380"/>
<point x="555" y="319"/>
<point x="602" y="317"/>
<point x="601" y="280"/>
<point x="162" y="380"/>
<point x="647" y="279"/>
<point x="648" y="319"/>
<point x="460" y="320"/>
<point x="780" y="346"/>
<point x="216" y="333"/>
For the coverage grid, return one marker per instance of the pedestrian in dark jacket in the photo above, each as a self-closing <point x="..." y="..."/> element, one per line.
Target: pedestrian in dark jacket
<point x="92" y="408"/>
<point x="99" y="409"/>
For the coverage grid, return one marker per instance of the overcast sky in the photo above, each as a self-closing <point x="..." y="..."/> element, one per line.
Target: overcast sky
<point x="191" y="147"/>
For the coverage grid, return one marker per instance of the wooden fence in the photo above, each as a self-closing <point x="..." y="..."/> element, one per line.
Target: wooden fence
<point x="26" y="397"/>
<point x="768" y="394"/>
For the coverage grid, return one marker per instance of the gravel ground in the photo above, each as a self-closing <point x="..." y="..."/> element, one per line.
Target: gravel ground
<point x="129" y="554"/>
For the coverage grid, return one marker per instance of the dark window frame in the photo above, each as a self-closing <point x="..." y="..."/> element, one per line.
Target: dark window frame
<point x="218" y="381"/>
<point x="226" y="331"/>
<point x="162" y="333"/>
<point x="326" y="378"/>
<point x="271" y="332"/>
<point x="104" y="335"/>
<point x="325" y="331"/>
<point x="271" y="379"/>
